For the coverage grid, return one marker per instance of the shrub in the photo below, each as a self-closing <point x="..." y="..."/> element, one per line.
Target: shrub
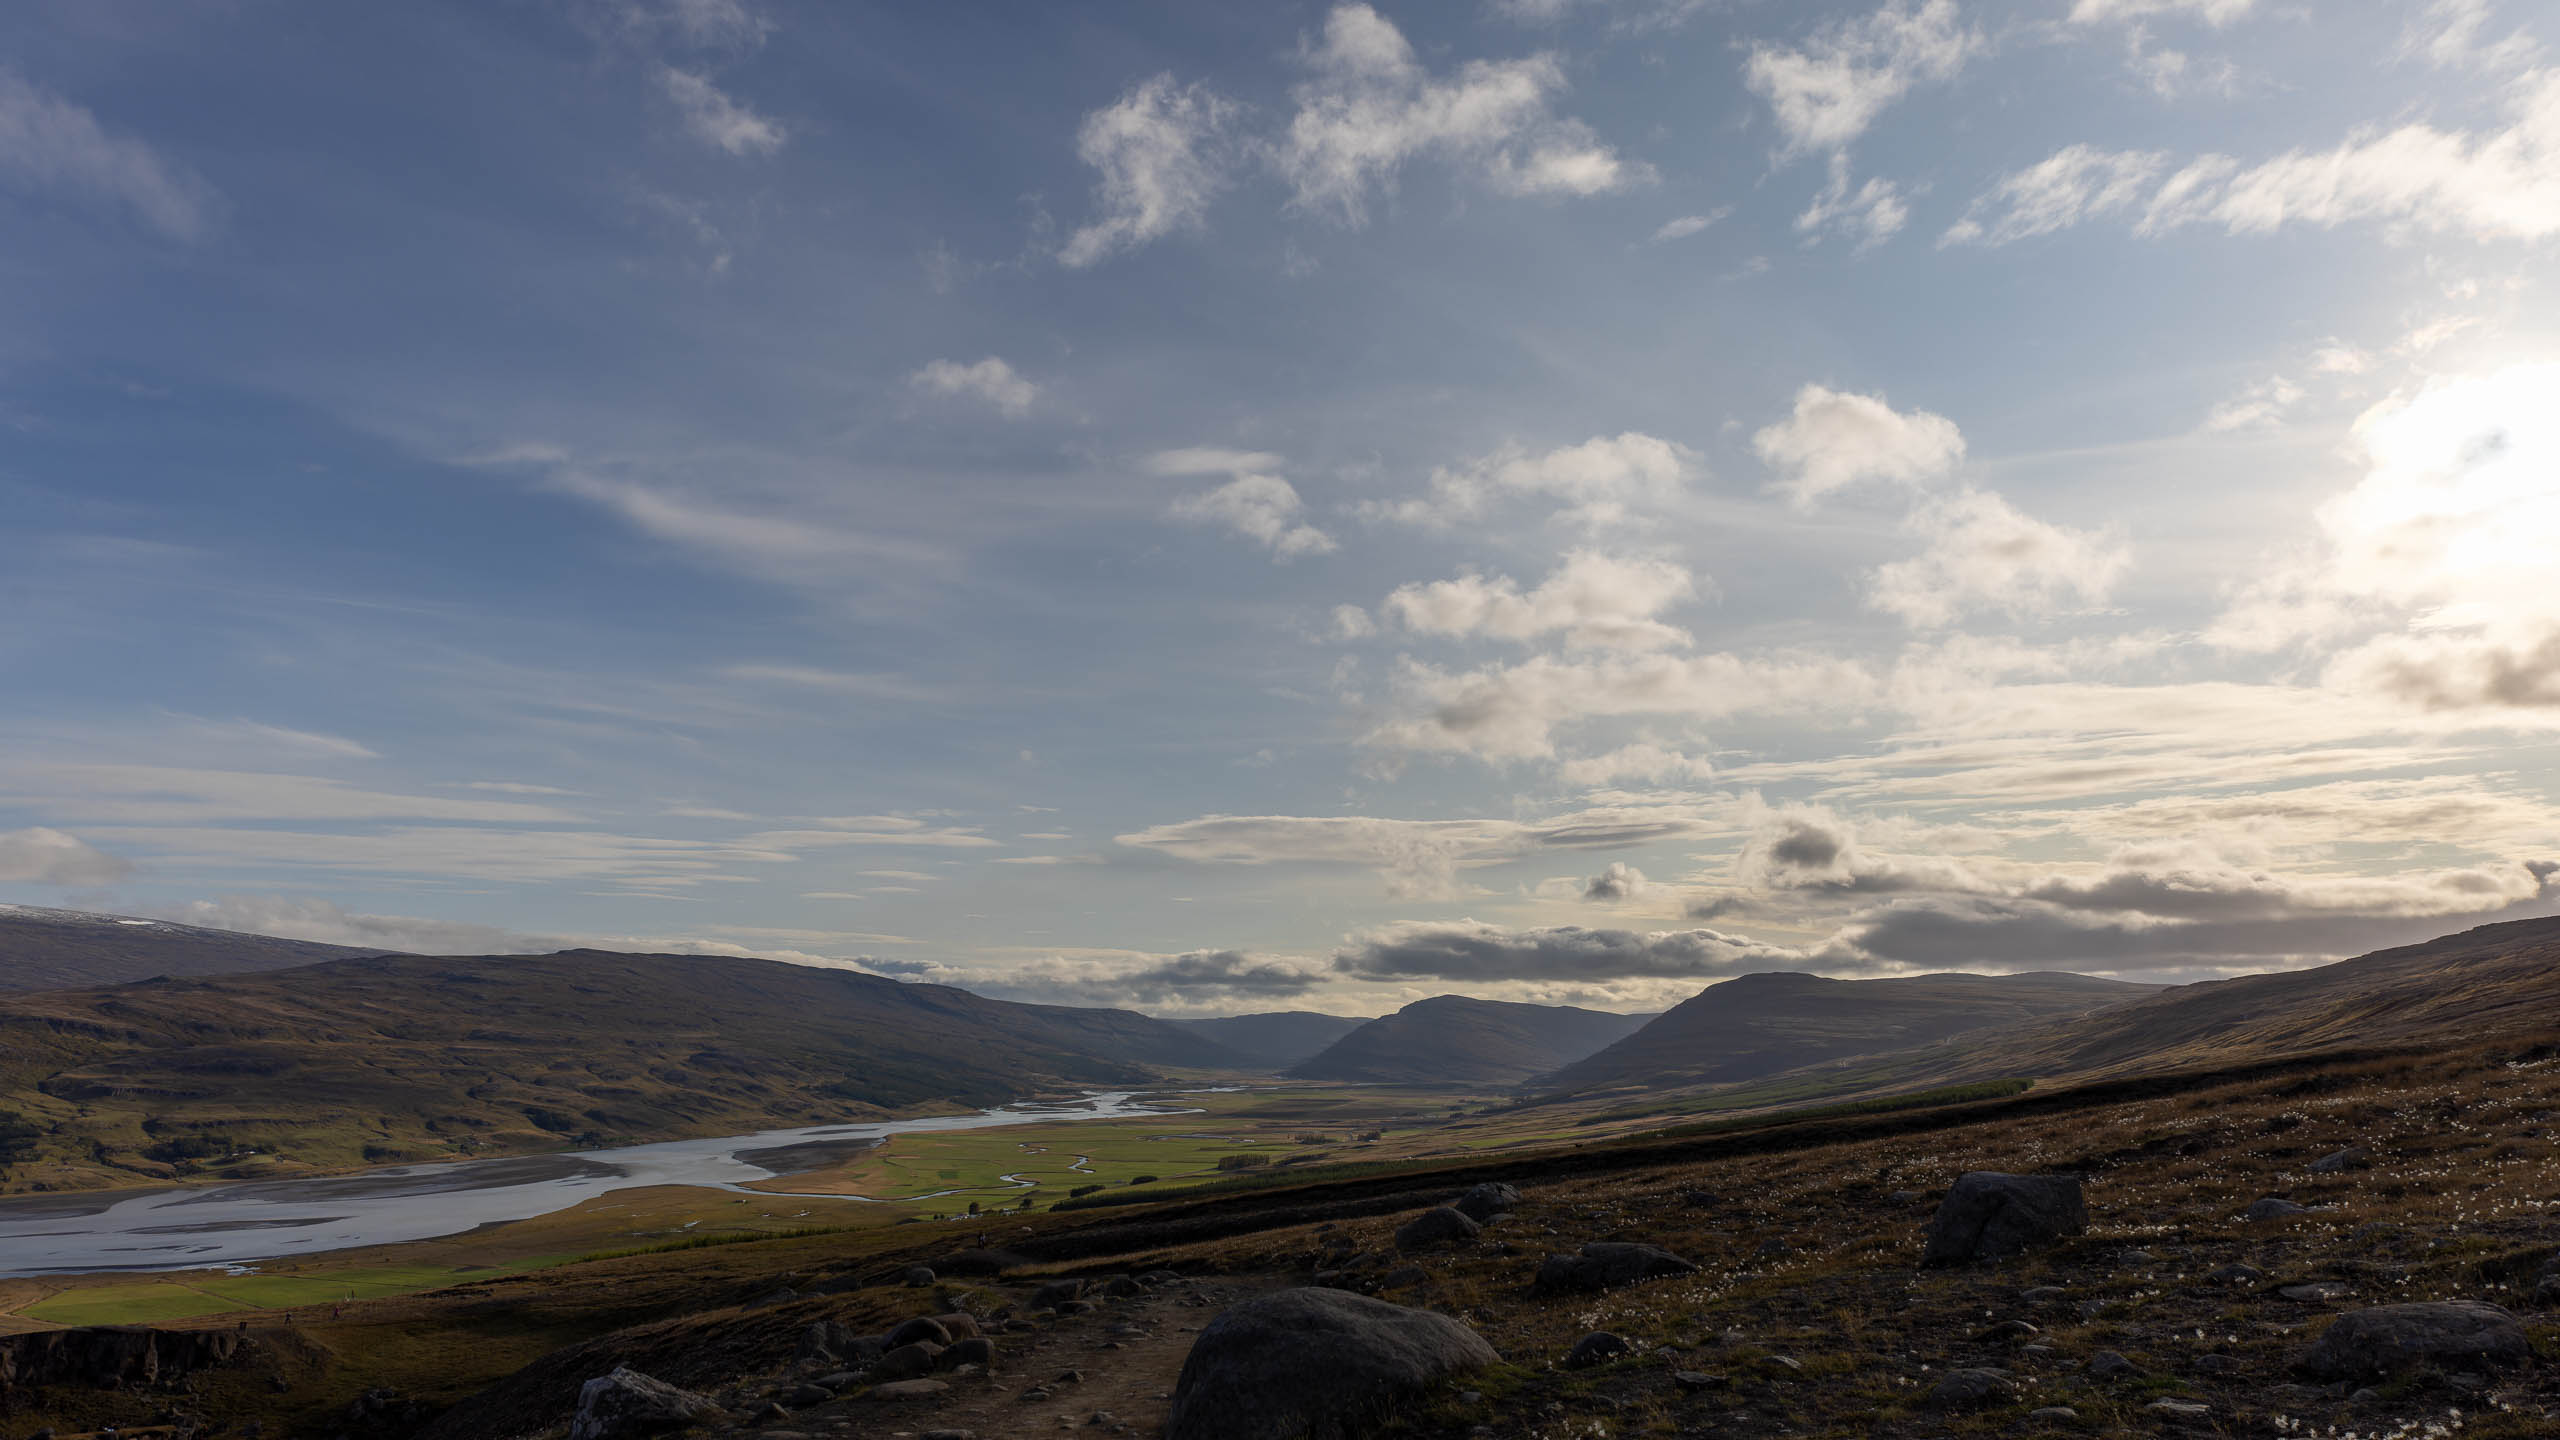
<point x="1242" y="1162"/>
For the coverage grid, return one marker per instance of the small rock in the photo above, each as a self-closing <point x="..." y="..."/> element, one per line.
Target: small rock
<point x="1597" y="1348"/>
<point x="2274" y="1207"/>
<point x="1603" y="1265"/>
<point x="909" y="1392"/>
<point x="769" y="1412"/>
<point x="2237" y="1275"/>
<point x="1056" y="1294"/>
<point x="2055" y="1415"/>
<point x="625" y="1402"/>
<point x="2217" y="1364"/>
<point x="1699" y="1380"/>
<point x="1403" y="1276"/>
<point x="1121" y="1287"/>
<point x="840" y="1379"/>
<point x="948" y="1434"/>
<point x="1788" y="1363"/>
<point x="976" y="1350"/>
<point x="2316" y="1292"/>
<point x="1438" y="1226"/>
<point x="801" y="1397"/>
<point x="1483" y="1202"/>
<point x="920" y="1328"/>
<point x="916" y="1275"/>
<point x="912" y="1361"/>
<point x="2136" y="1257"/>
<point x="2180" y="1410"/>
<point x="2111" y="1365"/>
<point x="2007" y="1332"/>
<point x="2044" y="1295"/>
<point x="1971" y="1390"/>
<point x="959" y="1324"/>
<point x="1991" y="1216"/>
<point x="2354" y="1157"/>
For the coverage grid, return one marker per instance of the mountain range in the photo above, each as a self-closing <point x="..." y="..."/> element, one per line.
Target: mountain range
<point x="43" y="949"/>
<point x="1273" y="1040"/>
<point x="1457" y="1039"/>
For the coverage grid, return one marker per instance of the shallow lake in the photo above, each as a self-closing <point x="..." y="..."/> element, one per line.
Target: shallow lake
<point x="266" y="1219"/>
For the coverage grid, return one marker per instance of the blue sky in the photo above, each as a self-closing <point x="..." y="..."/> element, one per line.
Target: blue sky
<point x="1286" y="506"/>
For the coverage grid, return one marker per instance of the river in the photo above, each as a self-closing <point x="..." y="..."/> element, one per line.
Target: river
<point x="265" y="1219"/>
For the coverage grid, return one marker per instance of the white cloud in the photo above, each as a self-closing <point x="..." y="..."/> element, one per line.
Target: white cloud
<point x="1642" y="760"/>
<point x="1162" y="156"/>
<point x="1595" y="601"/>
<point x="1604" y="481"/>
<point x="990" y="380"/>
<point x="169" y="794"/>
<point x="717" y="120"/>
<point x="1256" y="505"/>
<point x="48" y="143"/>
<point x="1507" y="713"/>
<point x="1687" y="225"/>
<point x="1826" y="93"/>
<point x="1416" y="857"/>
<point x="2499" y="184"/>
<point x="2076" y="183"/>
<point x="1369" y="106"/>
<point x="321" y="920"/>
<point x="2262" y="403"/>
<point x="2449" y="33"/>
<point x="1871" y="214"/>
<point x="2216" y="13"/>
<point x="2441" y="558"/>
<point x="1620" y="881"/>
<point x="1836" y="439"/>
<point x="39" y="855"/>
<point x="1984" y="555"/>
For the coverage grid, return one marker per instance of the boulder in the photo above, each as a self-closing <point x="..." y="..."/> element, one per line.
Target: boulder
<point x="973" y="1351"/>
<point x="1483" y="1202"/>
<point x="2112" y="1365"/>
<point x="2390" y="1339"/>
<point x="1055" y="1294"/>
<point x="1605" y="1264"/>
<point x="1597" y="1348"/>
<point x="960" y="1324"/>
<point x="910" y="1392"/>
<point x="1315" y="1365"/>
<point x="912" y="1361"/>
<point x="1436" y="1227"/>
<point x="626" y="1402"/>
<point x="2237" y="1273"/>
<point x="922" y="1328"/>
<point x="1960" y="1390"/>
<point x="2354" y="1157"/>
<point x="2546" y="1290"/>
<point x="916" y="1275"/>
<point x="1120" y="1287"/>
<point x="1991" y="1216"/>
<point x="2274" y="1207"/>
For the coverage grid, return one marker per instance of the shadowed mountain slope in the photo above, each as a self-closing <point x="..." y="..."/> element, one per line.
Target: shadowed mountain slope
<point x="44" y="949"/>
<point x="1758" y="1025"/>
<point x="1274" y="1040"/>
<point x="1461" y="1040"/>
<point x="414" y="1057"/>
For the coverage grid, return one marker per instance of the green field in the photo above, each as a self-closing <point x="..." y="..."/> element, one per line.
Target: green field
<point x="188" y="1294"/>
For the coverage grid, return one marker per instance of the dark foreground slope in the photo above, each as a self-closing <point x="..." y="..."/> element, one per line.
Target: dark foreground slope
<point x="63" y="949"/>
<point x="1454" y="1039"/>
<point x="410" y="1057"/>
<point x="1274" y="1040"/>
<point x="1759" y="1025"/>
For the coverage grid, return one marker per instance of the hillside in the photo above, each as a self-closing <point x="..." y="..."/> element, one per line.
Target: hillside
<point x="2477" y="982"/>
<point x="1758" y="1025"/>
<point x="1455" y="1039"/>
<point x="44" y="949"/>
<point x="1274" y="1040"/>
<point x="400" y="1058"/>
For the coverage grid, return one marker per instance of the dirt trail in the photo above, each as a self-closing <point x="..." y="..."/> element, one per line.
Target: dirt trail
<point x="1123" y="1353"/>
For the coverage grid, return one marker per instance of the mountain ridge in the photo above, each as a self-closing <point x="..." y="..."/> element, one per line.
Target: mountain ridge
<point x="1461" y="1039"/>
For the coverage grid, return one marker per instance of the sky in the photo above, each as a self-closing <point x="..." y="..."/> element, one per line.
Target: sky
<point x="1287" y="506"/>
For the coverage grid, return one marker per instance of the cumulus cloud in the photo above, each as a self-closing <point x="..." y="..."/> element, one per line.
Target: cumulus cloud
<point x="2434" y="571"/>
<point x="1256" y="505"/>
<point x="1604" y="481"/>
<point x="1474" y="952"/>
<point x="1369" y="106"/>
<point x="1163" y="154"/>
<point x="1594" y="601"/>
<point x="2494" y="184"/>
<point x="1835" y="439"/>
<point x="1642" y="760"/>
<point x="990" y="380"/>
<point x="40" y="855"/>
<point x="1192" y="982"/>
<point x="1983" y="554"/>
<point x="1621" y="881"/>
<point x="717" y="120"/>
<point x="1826" y="92"/>
<point x="48" y="143"/>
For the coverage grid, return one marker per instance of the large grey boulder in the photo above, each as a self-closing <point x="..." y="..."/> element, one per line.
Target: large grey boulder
<point x="2546" y="1290"/>
<point x="1991" y="1216"/>
<point x="2391" y="1339"/>
<point x="1483" y="1202"/>
<point x="1606" y="1264"/>
<point x="1436" y="1227"/>
<point x="1315" y="1365"/>
<point x="625" y="1403"/>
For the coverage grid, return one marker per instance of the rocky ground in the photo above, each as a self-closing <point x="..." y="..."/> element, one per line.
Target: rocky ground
<point x="2222" y="1229"/>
